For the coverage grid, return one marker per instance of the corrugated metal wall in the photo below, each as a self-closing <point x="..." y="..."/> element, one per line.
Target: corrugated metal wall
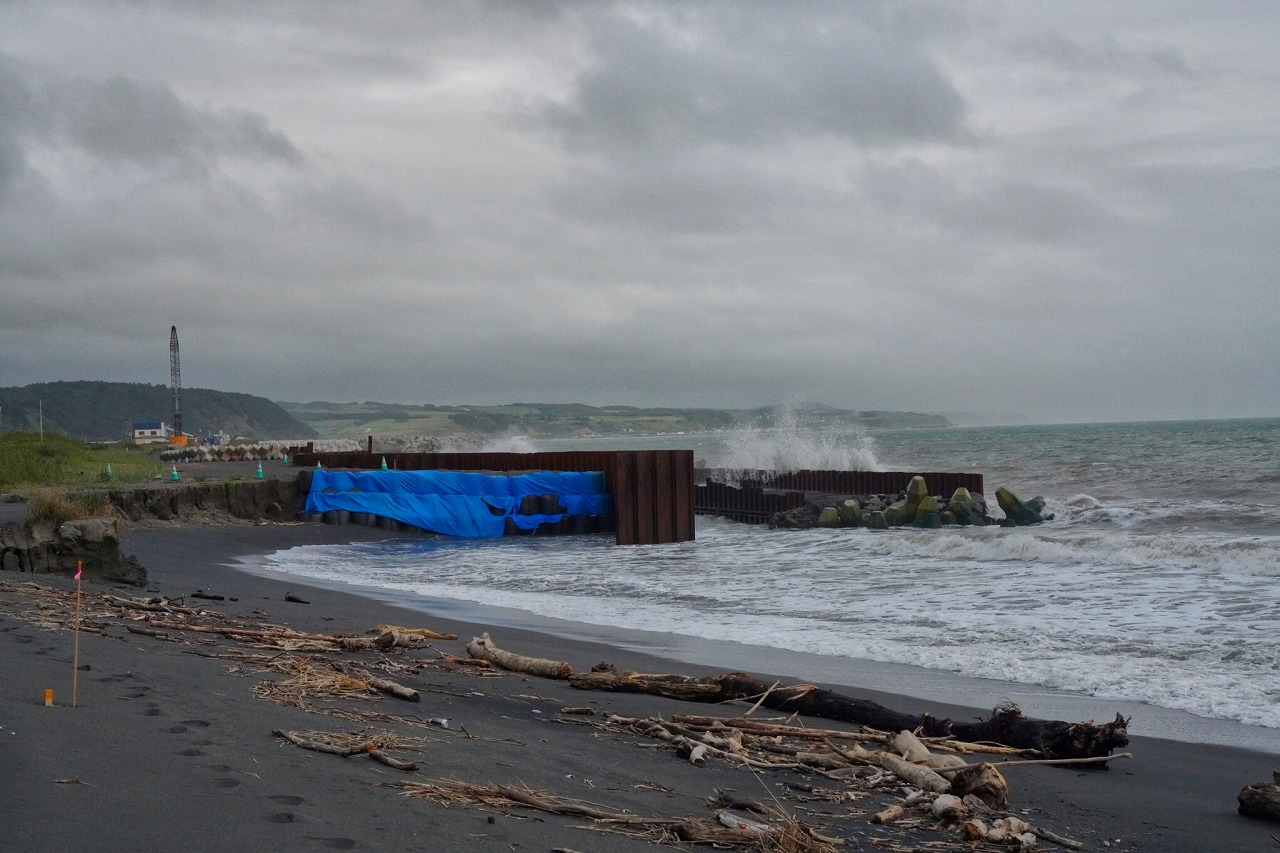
<point x="652" y="489"/>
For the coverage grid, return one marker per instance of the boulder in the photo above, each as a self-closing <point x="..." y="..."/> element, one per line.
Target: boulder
<point x="1019" y="513"/>
<point x="850" y="513"/>
<point x="917" y="490"/>
<point x="800" y="518"/>
<point x="965" y="509"/>
<point x="928" y="504"/>
<point x="929" y="520"/>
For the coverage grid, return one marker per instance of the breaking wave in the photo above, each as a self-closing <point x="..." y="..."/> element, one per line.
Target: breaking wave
<point x="791" y="447"/>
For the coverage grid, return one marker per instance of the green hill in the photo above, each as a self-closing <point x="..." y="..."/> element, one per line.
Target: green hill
<point x="355" y="420"/>
<point x="103" y="411"/>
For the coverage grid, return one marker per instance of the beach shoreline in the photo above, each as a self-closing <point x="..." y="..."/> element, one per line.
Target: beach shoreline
<point x="232" y="786"/>
<point x="887" y="679"/>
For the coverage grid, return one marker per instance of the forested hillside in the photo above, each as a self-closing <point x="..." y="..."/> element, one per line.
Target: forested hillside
<point x="103" y="411"/>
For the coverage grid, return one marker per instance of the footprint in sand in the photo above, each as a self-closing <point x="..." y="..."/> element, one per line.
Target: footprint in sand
<point x="123" y="676"/>
<point x="176" y="730"/>
<point x="337" y="843"/>
<point x="191" y="753"/>
<point x="287" y="800"/>
<point x="152" y="712"/>
<point x="226" y="783"/>
<point x="200" y="724"/>
<point x="282" y="817"/>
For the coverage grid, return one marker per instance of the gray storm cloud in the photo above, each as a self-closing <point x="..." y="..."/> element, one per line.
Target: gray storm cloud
<point x="1063" y="212"/>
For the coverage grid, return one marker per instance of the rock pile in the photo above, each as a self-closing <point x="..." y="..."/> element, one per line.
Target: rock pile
<point x="915" y="507"/>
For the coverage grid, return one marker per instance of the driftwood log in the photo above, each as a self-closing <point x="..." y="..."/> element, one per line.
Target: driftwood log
<point x="320" y="746"/>
<point x="384" y="641"/>
<point x="915" y="774"/>
<point x="396" y="763"/>
<point x="1261" y="800"/>
<point x="1006" y="725"/>
<point x="424" y="633"/>
<point x="483" y="648"/>
<point x="386" y="685"/>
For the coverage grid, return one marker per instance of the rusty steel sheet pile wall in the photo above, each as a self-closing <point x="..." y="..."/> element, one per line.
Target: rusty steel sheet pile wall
<point x="749" y="505"/>
<point x="652" y="490"/>
<point x="753" y="496"/>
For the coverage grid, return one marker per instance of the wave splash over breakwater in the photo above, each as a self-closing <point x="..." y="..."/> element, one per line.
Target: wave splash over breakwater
<point x="788" y="447"/>
<point x="1157" y="593"/>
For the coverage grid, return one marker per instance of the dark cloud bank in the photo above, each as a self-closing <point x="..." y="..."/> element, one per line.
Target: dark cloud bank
<point x="1068" y="214"/>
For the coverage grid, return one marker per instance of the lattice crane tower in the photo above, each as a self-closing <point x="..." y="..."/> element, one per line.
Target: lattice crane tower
<point x="175" y="380"/>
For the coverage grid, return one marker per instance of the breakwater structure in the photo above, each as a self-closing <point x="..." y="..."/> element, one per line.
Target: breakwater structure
<point x="756" y="496"/>
<point x="653" y="495"/>
<point x="650" y="492"/>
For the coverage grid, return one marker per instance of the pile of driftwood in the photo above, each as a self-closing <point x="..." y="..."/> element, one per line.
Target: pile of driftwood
<point x="1006" y="725"/>
<point x="971" y="796"/>
<point x="954" y="791"/>
<point x="784" y="834"/>
<point x="918" y="757"/>
<point x="375" y="745"/>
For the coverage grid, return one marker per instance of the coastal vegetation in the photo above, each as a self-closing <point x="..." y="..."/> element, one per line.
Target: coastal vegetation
<point x="29" y="460"/>
<point x="556" y="420"/>
<point x="59" y="505"/>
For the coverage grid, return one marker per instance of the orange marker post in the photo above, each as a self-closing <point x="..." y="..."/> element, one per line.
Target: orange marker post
<point x="48" y="697"/>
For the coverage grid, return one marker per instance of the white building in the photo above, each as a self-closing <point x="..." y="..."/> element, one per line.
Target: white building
<point x="151" y="432"/>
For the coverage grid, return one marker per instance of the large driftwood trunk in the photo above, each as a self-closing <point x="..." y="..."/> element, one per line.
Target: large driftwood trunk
<point x="1006" y="725"/>
<point x="483" y="648"/>
<point x="1261" y="800"/>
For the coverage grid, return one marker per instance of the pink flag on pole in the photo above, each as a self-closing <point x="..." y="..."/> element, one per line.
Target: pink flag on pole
<point x="79" y="569"/>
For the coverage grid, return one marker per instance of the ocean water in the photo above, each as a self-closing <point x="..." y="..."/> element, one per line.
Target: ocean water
<point x="1158" y="581"/>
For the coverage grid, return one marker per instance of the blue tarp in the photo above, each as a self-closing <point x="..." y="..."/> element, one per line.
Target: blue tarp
<point x="457" y="503"/>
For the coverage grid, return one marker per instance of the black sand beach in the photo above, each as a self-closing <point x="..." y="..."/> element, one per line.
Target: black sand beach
<point x="169" y="749"/>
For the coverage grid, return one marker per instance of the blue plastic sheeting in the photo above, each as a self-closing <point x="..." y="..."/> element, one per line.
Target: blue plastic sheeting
<point x="457" y="503"/>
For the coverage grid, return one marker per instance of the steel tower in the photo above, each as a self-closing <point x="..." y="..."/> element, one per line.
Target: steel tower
<point x="175" y="380"/>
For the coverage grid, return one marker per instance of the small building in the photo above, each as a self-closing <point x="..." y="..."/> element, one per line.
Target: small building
<point x="151" y="432"/>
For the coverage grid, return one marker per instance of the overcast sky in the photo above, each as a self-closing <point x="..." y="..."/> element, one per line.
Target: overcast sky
<point x="1065" y="210"/>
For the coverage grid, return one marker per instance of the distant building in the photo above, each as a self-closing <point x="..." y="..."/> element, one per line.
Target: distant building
<point x="151" y="432"/>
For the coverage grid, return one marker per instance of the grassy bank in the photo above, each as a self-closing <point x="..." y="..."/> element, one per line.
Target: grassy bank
<point x="28" y="462"/>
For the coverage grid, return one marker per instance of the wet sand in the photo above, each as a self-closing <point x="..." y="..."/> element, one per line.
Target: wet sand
<point x="171" y="750"/>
